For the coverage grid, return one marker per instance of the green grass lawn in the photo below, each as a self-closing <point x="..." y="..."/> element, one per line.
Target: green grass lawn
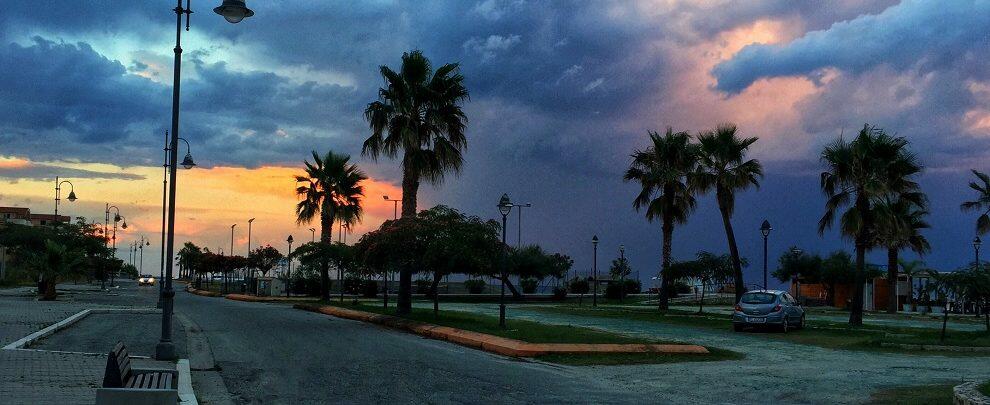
<point x="535" y="332"/>
<point x="985" y="388"/>
<point x="915" y="395"/>
<point x="827" y="334"/>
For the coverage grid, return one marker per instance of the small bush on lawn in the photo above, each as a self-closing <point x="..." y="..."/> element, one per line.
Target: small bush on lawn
<point x="422" y="286"/>
<point x="353" y="285"/>
<point x="633" y="286"/>
<point x="475" y="286"/>
<point x="612" y="291"/>
<point x="559" y="293"/>
<point x="369" y="289"/>
<point x="528" y="285"/>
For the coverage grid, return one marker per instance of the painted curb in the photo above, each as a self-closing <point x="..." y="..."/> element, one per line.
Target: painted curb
<point x="57" y="326"/>
<point x="497" y="344"/>
<point x="252" y="298"/>
<point x="185" y="388"/>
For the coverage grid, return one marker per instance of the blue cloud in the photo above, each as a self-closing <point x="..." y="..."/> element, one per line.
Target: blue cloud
<point x="930" y="33"/>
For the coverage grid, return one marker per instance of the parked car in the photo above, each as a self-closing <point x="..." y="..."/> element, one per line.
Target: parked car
<point x="772" y="308"/>
<point x="146" y="279"/>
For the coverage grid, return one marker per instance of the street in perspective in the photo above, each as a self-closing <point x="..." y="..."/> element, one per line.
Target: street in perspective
<point x="494" y="201"/>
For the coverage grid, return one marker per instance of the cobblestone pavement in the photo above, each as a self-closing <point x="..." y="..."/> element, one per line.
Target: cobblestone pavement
<point x="46" y="377"/>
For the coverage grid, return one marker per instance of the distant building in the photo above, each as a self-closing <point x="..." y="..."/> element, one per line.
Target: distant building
<point x="23" y="216"/>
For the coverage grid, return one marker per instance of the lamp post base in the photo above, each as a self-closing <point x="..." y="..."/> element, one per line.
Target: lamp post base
<point x="165" y="351"/>
<point x="501" y="316"/>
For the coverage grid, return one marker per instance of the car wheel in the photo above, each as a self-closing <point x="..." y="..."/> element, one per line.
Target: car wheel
<point x="784" y="326"/>
<point x="737" y="327"/>
<point x="801" y="325"/>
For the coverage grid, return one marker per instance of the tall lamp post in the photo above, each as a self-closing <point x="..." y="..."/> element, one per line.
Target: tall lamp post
<point x="250" y="221"/>
<point x="504" y="207"/>
<point x="113" y="238"/>
<point x="233" y="11"/>
<point x="312" y="232"/>
<point x="187" y="163"/>
<point x="288" y="273"/>
<point x="395" y="216"/>
<point x="797" y="279"/>
<point x="594" y="269"/>
<point x="519" y="231"/>
<point x="765" y="230"/>
<point x="58" y="194"/>
<point x="976" y="249"/>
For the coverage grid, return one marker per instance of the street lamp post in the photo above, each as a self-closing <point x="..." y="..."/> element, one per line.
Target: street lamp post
<point x="233" y="11"/>
<point x="312" y="232"/>
<point x="504" y="207"/>
<point x="797" y="279"/>
<point x="395" y="216"/>
<point x="594" y="269"/>
<point x="187" y="163"/>
<point x="106" y="223"/>
<point x="976" y="249"/>
<point x="519" y="231"/>
<point x="765" y="229"/>
<point x="113" y="243"/>
<point x="288" y="273"/>
<point x="58" y="194"/>
<point x="250" y="221"/>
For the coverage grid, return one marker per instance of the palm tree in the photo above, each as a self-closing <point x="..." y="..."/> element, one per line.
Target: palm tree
<point x="54" y="261"/>
<point x="722" y="166"/>
<point x="662" y="170"/>
<point x="982" y="202"/>
<point x="858" y="174"/>
<point x="912" y="269"/>
<point x="418" y="112"/>
<point x="899" y="225"/>
<point x="332" y="190"/>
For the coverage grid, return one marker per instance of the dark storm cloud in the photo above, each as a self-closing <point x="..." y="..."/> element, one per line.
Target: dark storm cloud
<point x="36" y="171"/>
<point x="927" y="34"/>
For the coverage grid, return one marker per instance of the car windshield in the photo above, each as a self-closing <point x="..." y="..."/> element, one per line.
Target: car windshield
<point x="757" y="298"/>
<point x="146" y="275"/>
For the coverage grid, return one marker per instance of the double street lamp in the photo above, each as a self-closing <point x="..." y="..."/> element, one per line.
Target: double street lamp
<point x="233" y="11"/>
<point x="504" y="207"/>
<point x="113" y="239"/>
<point x="765" y="230"/>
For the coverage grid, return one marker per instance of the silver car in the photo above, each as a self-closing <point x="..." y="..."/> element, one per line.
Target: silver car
<point x="773" y="308"/>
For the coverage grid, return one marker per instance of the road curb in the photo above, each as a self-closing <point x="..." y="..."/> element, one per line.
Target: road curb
<point x="252" y="298"/>
<point x="185" y="388"/>
<point x="496" y="344"/>
<point x="203" y="293"/>
<point x="23" y="342"/>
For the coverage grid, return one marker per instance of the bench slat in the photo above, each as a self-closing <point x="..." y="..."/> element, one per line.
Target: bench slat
<point x="154" y="380"/>
<point x="166" y="381"/>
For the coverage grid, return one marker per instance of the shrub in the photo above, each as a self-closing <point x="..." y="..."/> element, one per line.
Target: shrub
<point x="422" y="286"/>
<point x="475" y="286"/>
<point x="579" y="286"/>
<point x="369" y="289"/>
<point x="559" y="293"/>
<point x="528" y="285"/>
<point x="613" y="290"/>
<point x="352" y="285"/>
<point x="633" y="286"/>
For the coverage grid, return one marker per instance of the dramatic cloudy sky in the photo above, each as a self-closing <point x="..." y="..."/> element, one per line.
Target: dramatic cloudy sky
<point x="561" y="94"/>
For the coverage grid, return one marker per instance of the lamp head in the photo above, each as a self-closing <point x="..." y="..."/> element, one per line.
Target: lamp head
<point x="117" y="218"/>
<point x="504" y="205"/>
<point x="289" y="239"/>
<point x="385" y="197"/>
<point x="796" y="251"/>
<point x="622" y="248"/>
<point x="251" y="220"/>
<point x="765" y="228"/>
<point x="977" y="242"/>
<point x="72" y="196"/>
<point x="124" y="226"/>
<point x="594" y="240"/>
<point x="233" y="11"/>
<point x="187" y="162"/>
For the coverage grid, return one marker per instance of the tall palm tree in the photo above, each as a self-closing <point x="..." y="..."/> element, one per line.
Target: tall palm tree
<point x="418" y="112"/>
<point x="899" y="225"/>
<point x="332" y="190"/>
<point x="981" y="203"/>
<point x="662" y="170"/>
<point x="722" y="166"/>
<point x="859" y="173"/>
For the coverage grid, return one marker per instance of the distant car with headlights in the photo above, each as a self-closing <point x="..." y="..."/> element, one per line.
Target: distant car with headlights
<point x="146" y="279"/>
<point x="763" y="308"/>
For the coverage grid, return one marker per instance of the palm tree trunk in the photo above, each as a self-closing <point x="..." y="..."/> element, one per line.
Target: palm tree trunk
<point x="862" y="241"/>
<point x="701" y="305"/>
<point x="668" y="232"/>
<point x="730" y="235"/>
<point x="326" y="237"/>
<point x="410" y="188"/>
<point x="892" y="280"/>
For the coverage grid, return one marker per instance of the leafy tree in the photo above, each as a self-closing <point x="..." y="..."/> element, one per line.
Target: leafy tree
<point x="796" y="263"/>
<point x="335" y="254"/>
<point x="899" y="225"/>
<point x="265" y="258"/>
<point x="579" y="286"/>
<point x="331" y="190"/>
<point x="56" y="261"/>
<point x="418" y="112"/>
<point x="859" y="173"/>
<point x="190" y="257"/>
<point x="723" y="167"/>
<point x="912" y="269"/>
<point x="662" y="170"/>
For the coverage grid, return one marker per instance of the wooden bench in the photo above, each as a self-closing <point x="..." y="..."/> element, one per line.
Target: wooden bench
<point x="123" y="384"/>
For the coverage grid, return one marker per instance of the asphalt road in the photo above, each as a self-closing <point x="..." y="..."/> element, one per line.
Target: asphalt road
<point x="271" y="353"/>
